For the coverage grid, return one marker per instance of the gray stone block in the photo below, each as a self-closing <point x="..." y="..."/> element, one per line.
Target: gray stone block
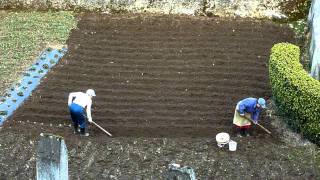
<point x="52" y="158"/>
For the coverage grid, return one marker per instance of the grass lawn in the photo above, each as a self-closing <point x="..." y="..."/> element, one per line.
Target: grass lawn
<point x="23" y="35"/>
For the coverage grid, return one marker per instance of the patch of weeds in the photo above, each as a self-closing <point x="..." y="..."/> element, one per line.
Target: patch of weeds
<point x="118" y="10"/>
<point x="295" y="9"/>
<point x="56" y="56"/>
<point x="20" y="93"/>
<point x="12" y="89"/>
<point x="49" y="49"/>
<point x="299" y="27"/>
<point x="29" y="82"/>
<point x="33" y="68"/>
<point x="318" y="159"/>
<point x="42" y="58"/>
<point x="7" y="95"/>
<point x="45" y="66"/>
<point x="40" y="71"/>
<point x="26" y="74"/>
<point x="3" y="113"/>
<point x="52" y="61"/>
<point x="35" y="76"/>
<point x="24" y="87"/>
<point x="14" y="100"/>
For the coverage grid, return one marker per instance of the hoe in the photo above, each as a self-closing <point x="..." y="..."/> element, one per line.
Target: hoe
<point x="260" y="126"/>
<point x="102" y="129"/>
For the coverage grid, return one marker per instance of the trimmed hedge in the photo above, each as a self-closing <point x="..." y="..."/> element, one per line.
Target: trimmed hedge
<point x="295" y="92"/>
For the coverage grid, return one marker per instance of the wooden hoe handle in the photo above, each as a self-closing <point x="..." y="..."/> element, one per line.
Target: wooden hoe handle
<point x="102" y="129"/>
<point x="265" y="129"/>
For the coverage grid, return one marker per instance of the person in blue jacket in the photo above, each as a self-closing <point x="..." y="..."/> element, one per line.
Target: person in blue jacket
<point x="80" y="109"/>
<point x="249" y="108"/>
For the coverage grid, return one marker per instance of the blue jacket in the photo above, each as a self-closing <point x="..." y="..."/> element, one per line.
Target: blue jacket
<point x="248" y="105"/>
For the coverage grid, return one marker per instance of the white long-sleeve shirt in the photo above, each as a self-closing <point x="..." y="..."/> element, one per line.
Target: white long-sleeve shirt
<point x="83" y="100"/>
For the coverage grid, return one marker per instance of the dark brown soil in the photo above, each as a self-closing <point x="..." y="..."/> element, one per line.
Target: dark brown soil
<point x="162" y="76"/>
<point x="165" y="85"/>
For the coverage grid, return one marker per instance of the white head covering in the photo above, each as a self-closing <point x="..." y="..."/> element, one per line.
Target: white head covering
<point x="91" y="92"/>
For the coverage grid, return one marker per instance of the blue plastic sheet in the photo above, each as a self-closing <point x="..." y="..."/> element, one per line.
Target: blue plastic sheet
<point x="19" y="92"/>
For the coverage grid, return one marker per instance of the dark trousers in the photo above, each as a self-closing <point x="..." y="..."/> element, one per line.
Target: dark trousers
<point x="78" y="115"/>
<point x="242" y="130"/>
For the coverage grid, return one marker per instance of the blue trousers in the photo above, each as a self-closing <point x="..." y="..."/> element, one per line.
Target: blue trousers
<point x="78" y="115"/>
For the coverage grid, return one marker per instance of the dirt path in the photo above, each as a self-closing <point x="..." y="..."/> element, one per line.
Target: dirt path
<point x="166" y="85"/>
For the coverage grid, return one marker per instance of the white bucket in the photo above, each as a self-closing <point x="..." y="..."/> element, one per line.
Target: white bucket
<point x="222" y="139"/>
<point x="232" y="146"/>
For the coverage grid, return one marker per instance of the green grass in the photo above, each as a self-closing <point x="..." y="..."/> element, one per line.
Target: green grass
<point x="299" y="27"/>
<point x="23" y="35"/>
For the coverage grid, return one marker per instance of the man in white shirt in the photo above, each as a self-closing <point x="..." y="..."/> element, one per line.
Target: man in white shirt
<point x="80" y="109"/>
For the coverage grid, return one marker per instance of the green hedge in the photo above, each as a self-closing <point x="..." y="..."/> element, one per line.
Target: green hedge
<point x="295" y="92"/>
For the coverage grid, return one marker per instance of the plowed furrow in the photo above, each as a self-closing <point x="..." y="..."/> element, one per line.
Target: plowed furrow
<point x="157" y="75"/>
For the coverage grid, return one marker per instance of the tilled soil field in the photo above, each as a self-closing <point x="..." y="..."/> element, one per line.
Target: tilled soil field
<point x="165" y="85"/>
<point x="162" y="76"/>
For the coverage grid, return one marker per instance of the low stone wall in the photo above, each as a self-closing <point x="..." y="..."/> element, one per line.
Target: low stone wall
<point x="242" y="8"/>
<point x="314" y="20"/>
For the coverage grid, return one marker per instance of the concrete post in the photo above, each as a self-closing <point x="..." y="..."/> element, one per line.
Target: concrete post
<point x="314" y="51"/>
<point x="52" y="158"/>
<point x="177" y="172"/>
